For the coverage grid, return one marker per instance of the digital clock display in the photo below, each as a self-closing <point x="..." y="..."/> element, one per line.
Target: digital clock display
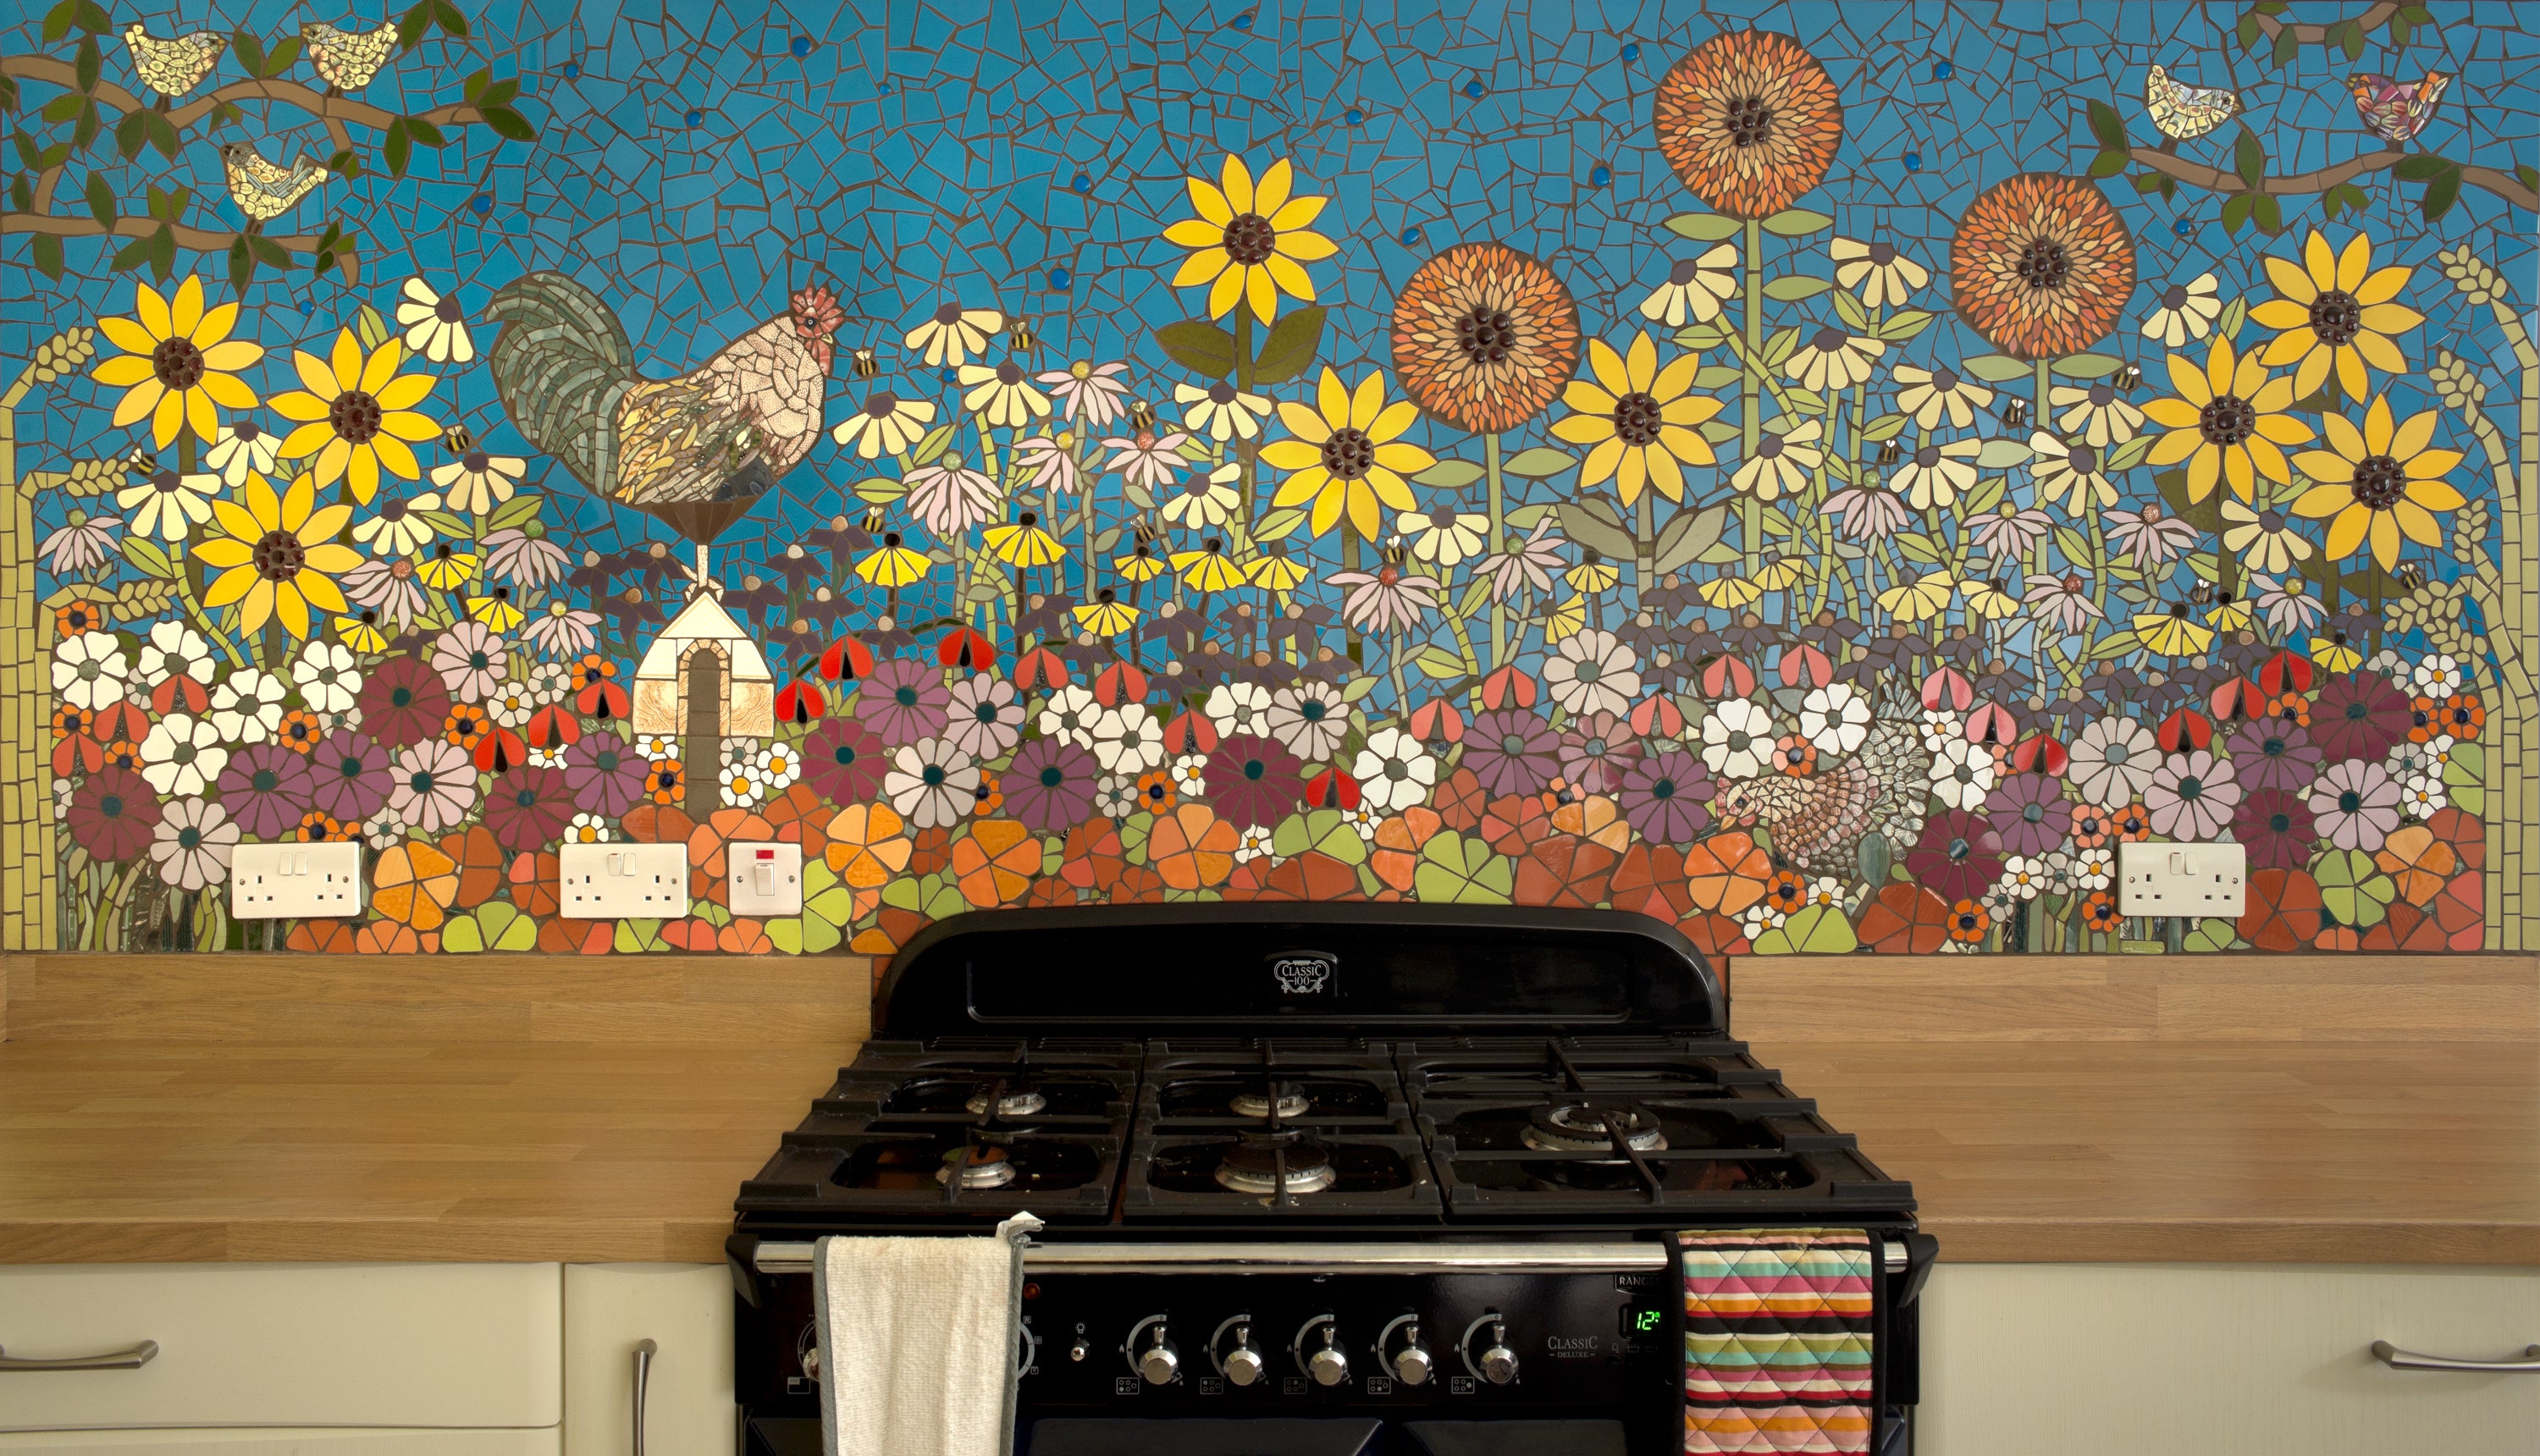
<point x="1641" y="1323"/>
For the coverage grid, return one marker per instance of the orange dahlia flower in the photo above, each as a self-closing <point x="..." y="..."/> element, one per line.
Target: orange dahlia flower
<point x="1484" y="337"/>
<point x="2041" y="265"/>
<point x="1749" y="120"/>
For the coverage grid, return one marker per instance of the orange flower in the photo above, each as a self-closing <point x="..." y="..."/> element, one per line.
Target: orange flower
<point x="1192" y="848"/>
<point x="1786" y="891"/>
<point x="2041" y="265"/>
<point x="2290" y="707"/>
<point x="2091" y="826"/>
<point x="77" y="619"/>
<point x="2417" y="862"/>
<point x="995" y="863"/>
<point x="1597" y="817"/>
<point x="1155" y="791"/>
<point x="991" y="794"/>
<point x="867" y="845"/>
<point x="467" y="726"/>
<point x="2130" y="824"/>
<point x="318" y="827"/>
<point x="1968" y="921"/>
<point x="413" y="884"/>
<point x="668" y="780"/>
<point x="2099" y="912"/>
<point x="1726" y="873"/>
<point x="2462" y="715"/>
<point x="300" y="730"/>
<point x="1749" y="120"/>
<point x="1484" y="337"/>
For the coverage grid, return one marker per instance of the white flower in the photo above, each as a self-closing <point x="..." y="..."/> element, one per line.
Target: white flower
<point x="2023" y="877"/>
<point x="383" y="830"/>
<point x="2096" y="412"/>
<point x="88" y="670"/>
<point x="549" y="757"/>
<point x="1695" y="288"/>
<point x="1191" y="774"/>
<point x="1363" y="819"/>
<point x="1444" y="535"/>
<point x="1069" y="713"/>
<point x="182" y="755"/>
<point x="1002" y="394"/>
<point x="2113" y="761"/>
<point x="399" y="530"/>
<point x="1780" y="463"/>
<point x="2093" y="869"/>
<point x="549" y="682"/>
<point x="1962" y="774"/>
<point x="1252" y="844"/>
<point x="656" y="747"/>
<point x="1737" y="738"/>
<point x="588" y="829"/>
<point x="247" y="705"/>
<point x="1759" y="918"/>
<point x="1936" y="475"/>
<point x="510" y="704"/>
<point x="2422" y="794"/>
<point x="1835" y="719"/>
<point x="1116" y="796"/>
<point x="1832" y="359"/>
<point x="433" y="326"/>
<point x="1938" y="726"/>
<point x="167" y="504"/>
<point x="175" y="649"/>
<point x="1239" y="708"/>
<point x="1393" y="772"/>
<point x="982" y="718"/>
<point x="1222" y="411"/>
<point x="884" y="424"/>
<point x="953" y="333"/>
<point x="326" y="675"/>
<point x="778" y="765"/>
<point x="476" y="482"/>
<point x="2187" y="311"/>
<point x="1589" y="672"/>
<point x="2065" y="469"/>
<point x="191" y="845"/>
<point x="1876" y="271"/>
<point x="738" y="782"/>
<point x="2436" y="677"/>
<point x="1204" y="498"/>
<point x="240" y="446"/>
<point x="1309" y="720"/>
<point x="1128" y="740"/>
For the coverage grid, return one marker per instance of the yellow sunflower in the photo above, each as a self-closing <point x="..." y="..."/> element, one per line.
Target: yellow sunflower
<point x="1642" y="425"/>
<point x="277" y="556"/>
<point x="1347" y="454"/>
<point x="179" y="361"/>
<point x="2228" y="421"/>
<point x="2379" y="482"/>
<point x="2335" y="310"/>
<point x="1250" y="239"/>
<point x="357" y="415"/>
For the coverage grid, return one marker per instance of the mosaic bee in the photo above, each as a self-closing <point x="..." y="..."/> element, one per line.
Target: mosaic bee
<point x="864" y="365"/>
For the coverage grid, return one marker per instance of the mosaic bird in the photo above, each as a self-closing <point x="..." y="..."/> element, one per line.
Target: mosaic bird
<point x="695" y="451"/>
<point x="1817" y="820"/>
<point x="174" y="66"/>
<point x="2187" y="112"/>
<point x="2392" y="111"/>
<point x="347" y="59"/>
<point x="263" y="190"/>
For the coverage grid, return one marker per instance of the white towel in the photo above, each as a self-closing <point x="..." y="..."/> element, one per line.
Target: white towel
<point x="917" y="1342"/>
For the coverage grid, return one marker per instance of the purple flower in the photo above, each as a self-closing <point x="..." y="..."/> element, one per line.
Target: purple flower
<point x="112" y="814"/>
<point x="1510" y="751"/>
<point x="527" y="808"/>
<point x="267" y="790"/>
<point x="1958" y="858"/>
<point x="1252" y="779"/>
<point x="902" y="701"/>
<point x="2358" y="715"/>
<point x="2356" y="804"/>
<point x="2192" y="796"/>
<point x="1596" y="750"/>
<point x="348" y="775"/>
<point x="403" y="703"/>
<point x="845" y="761"/>
<point x="2028" y="811"/>
<point x="605" y="776"/>
<point x="2275" y="826"/>
<point x="2275" y="753"/>
<point x="1049" y="785"/>
<point x="1667" y="796"/>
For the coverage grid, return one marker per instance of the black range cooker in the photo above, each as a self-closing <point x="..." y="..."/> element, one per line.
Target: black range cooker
<point x="1357" y="1179"/>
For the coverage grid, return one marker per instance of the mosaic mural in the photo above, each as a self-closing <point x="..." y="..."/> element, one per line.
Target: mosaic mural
<point x="1825" y="477"/>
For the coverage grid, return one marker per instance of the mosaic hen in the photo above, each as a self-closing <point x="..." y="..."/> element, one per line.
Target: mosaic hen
<point x="1817" y="820"/>
<point x="695" y="451"/>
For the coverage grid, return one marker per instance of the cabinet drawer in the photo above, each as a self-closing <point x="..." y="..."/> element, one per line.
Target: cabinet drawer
<point x="686" y="1310"/>
<point x="287" y="1345"/>
<point x="269" y="1441"/>
<point x="2069" y="1360"/>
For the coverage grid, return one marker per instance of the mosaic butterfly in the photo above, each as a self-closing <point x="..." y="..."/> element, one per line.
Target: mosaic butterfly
<point x="2187" y="112"/>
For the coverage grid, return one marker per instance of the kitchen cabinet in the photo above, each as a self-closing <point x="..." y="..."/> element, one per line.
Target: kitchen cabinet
<point x="2074" y="1359"/>
<point x="284" y="1442"/>
<point x="686" y="1310"/>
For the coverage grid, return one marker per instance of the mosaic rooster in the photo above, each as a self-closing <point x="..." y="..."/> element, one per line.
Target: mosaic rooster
<point x="695" y="451"/>
<point x="2393" y="110"/>
<point x="1818" y="820"/>
<point x="175" y="65"/>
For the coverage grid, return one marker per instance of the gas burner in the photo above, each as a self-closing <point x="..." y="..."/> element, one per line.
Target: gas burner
<point x="1252" y="1164"/>
<point x="1016" y="1102"/>
<point x="1283" y="1098"/>
<point x="988" y="1167"/>
<point x="1581" y="1127"/>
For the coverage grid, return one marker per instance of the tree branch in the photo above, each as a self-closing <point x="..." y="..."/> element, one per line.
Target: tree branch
<point x="290" y="93"/>
<point x="200" y="239"/>
<point x="2371" y="19"/>
<point x="2304" y="183"/>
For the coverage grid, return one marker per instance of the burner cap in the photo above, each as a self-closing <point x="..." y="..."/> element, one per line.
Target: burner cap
<point x="1251" y="1165"/>
<point x="1019" y="1101"/>
<point x="988" y="1167"/>
<point x="1258" y="1101"/>
<point x="1580" y="1127"/>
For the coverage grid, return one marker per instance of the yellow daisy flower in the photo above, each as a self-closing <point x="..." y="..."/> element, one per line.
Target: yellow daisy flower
<point x="2335" y="310"/>
<point x="2169" y="634"/>
<point x="895" y="566"/>
<point x="177" y="363"/>
<point x="1106" y="615"/>
<point x="357" y="415"/>
<point x="1023" y="543"/>
<point x="1347" y="454"/>
<point x="1248" y="239"/>
<point x="277" y="556"/>
<point x="1641" y="425"/>
<point x="2228" y="421"/>
<point x="2380" y="482"/>
<point x="1207" y="568"/>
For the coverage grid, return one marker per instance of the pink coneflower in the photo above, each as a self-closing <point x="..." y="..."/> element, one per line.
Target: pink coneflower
<point x="950" y="499"/>
<point x="2152" y="535"/>
<point x="2287" y="607"/>
<point x="564" y="632"/>
<point x="1528" y="565"/>
<point x="2060" y="602"/>
<point x="1866" y="513"/>
<point x="84" y="543"/>
<point x="513" y="555"/>
<point x="388" y="589"/>
<point x="1047" y="465"/>
<point x="1147" y="458"/>
<point x="2009" y="534"/>
<point x="1386" y="599"/>
<point x="1091" y="392"/>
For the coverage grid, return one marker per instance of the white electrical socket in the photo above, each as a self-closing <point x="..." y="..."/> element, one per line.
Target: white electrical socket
<point x="2182" y="879"/>
<point x="766" y="878"/>
<point x="296" y="882"/>
<point x="622" y="882"/>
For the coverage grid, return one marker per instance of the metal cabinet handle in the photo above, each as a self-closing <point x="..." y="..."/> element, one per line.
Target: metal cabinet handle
<point x="2408" y="1360"/>
<point x="645" y="1349"/>
<point x="116" y="1359"/>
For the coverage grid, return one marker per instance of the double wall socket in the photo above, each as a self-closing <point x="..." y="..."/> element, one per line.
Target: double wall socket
<point x="2182" y="879"/>
<point x="622" y="882"/>
<point x="297" y="882"/>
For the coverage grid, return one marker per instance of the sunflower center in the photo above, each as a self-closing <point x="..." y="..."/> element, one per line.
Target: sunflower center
<point x="2043" y="263"/>
<point x="355" y="414"/>
<point x="1250" y="239"/>
<point x="1486" y="335"/>
<point x="1637" y="418"/>
<point x="279" y="556"/>
<point x="2379" y="482"/>
<point x="2336" y="317"/>
<point x="2226" y="420"/>
<point x="177" y="364"/>
<point x="1349" y="454"/>
<point x="1748" y="121"/>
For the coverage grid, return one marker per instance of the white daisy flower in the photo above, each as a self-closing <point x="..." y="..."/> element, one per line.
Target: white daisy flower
<point x="1835" y="719"/>
<point x="1309" y="720"/>
<point x="1737" y="738"/>
<point x="1962" y="774"/>
<point x="1695" y="288"/>
<point x="327" y="677"/>
<point x="90" y="670"/>
<point x="192" y="845"/>
<point x="1876" y="271"/>
<point x="1780" y="463"/>
<point x="2422" y="794"/>
<point x="433" y="326"/>
<point x="1936" y="475"/>
<point x="168" y="505"/>
<point x="1116" y="796"/>
<point x="2187" y="311"/>
<point x="1939" y="727"/>
<point x="1252" y="842"/>
<point x="588" y="829"/>
<point x="1393" y="771"/>
<point x="1363" y="819"/>
<point x="778" y="766"/>
<point x="2023" y="877"/>
<point x="247" y="705"/>
<point x="1002" y="394"/>
<point x="175" y="649"/>
<point x="1221" y="411"/>
<point x="953" y="333"/>
<point x="1128" y="740"/>
<point x="658" y="746"/>
<point x="1190" y="776"/>
<point x="1759" y="918"/>
<point x="884" y="424"/>
<point x="1239" y="708"/>
<point x="2093" y="869"/>
<point x="476" y="482"/>
<point x="182" y="755"/>
<point x="1591" y="671"/>
<point x="2096" y="412"/>
<point x="242" y="447"/>
<point x="1071" y="713"/>
<point x="1444" y="535"/>
<point x="2438" y="676"/>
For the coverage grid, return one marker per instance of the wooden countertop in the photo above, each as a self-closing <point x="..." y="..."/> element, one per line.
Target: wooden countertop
<point x="2347" y="1109"/>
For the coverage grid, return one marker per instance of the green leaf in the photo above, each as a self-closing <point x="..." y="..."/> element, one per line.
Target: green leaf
<point x="100" y="201"/>
<point x="2235" y="313"/>
<point x="1279" y="523"/>
<point x="1438" y="663"/>
<point x="2115" y="645"/>
<point x="2440" y="194"/>
<point x="1847" y="307"/>
<point x="2249" y="160"/>
<point x="89" y="124"/>
<point x="2129" y="454"/>
<point x="1199" y="346"/>
<point x="149" y="558"/>
<point x="2287" y="45"/>
<point x="132" y="133"/>
<point x="397" y="148"/>
<point x="93" y="18"/>
<point x="48" y="256"/>
<point x="2106" y="126"/>
<point x="2069" y="542"/>
<point x="510" y="123"/>
<point x="130" y="256"/>
<point x="2088" y="365"/>
<point x="410" y="25"/>
<point x="62" y="107"/>
<point x="1705" y="227"/>
<point x="1815" y="929"/>
<point x="2349" y="36"/>
<point x="249" y="50"/>
<point x="448" y="17"/>
<point x="1995" y="369"/>
<point x="2236" y="211"/>
<point x="370" y="328"/>
<point x="1796" y="221"/>
<point x="2420" y="167"/>
<point x="2109" y="162"/>
<point x="1538" y="463"/>
<point x="1987" y="495"/>
<point x="1885" y="427"/>
<point x="85" y="66"/>
<point x="269" y="253"/>
<point x="1688" y="534"/>
<point x="1591" y="522"/>
<point x="424" y="132"/>
<point x="2268" y="213"/>
<point x="1456" y="869"/>
<point x="1716" y="375"/>
<point x="1794" y="287"/>
<point x="1905" y="325"/>
<point x="163" y="252"/>
<point x="1448" y="475"/>
<point x="1920" y="547"/>
<point x="242" y="263"/>
<point x="57" y="20"/>
<point x="1781" y="346"/>
<point x="498" y="94"/>
<point x="1291" y="346"/>
<point x="931" y="448"/>
<point x="279" y="59"/>
<point x="2528" y="176"/>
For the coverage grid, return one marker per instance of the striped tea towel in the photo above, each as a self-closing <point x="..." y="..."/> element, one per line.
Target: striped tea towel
<point x="1777" y="1340"/>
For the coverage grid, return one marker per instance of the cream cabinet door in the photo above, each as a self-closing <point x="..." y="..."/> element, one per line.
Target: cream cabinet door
<point x="273" y="1442"/>
<point x="2076" y="1359"/>
<point x="686" y="1310"/>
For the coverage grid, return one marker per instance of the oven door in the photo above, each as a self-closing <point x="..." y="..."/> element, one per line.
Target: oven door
<point x="1339" y="1437"/>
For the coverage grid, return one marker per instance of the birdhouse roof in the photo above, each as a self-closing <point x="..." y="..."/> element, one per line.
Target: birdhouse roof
<point x="703" y="619"/>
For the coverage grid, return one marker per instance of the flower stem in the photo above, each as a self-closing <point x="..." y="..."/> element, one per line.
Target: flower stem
<point x="2038" y="552"/>
<point x="1244" y="449"/>
<point x="1750" y="425"/>
<point x="1498" y="543"/>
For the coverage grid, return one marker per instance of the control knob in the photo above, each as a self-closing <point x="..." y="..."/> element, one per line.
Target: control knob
<point x="1159" y="1361"/>
<point x="1328" y="1365"/>
<point x="1243" y="1364"/>
<point x="1412" y="1365"/>
<point x="1499" y="1362"/>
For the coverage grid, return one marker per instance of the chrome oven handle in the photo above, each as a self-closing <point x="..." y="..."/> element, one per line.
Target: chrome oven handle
<point x="113" y="1360"/>
<point x="1612" y="1256"/>
<point x="2408" y="1360"/>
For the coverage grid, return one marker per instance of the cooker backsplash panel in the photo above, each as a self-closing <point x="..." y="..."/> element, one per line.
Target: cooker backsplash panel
<point x="1825" y="478"/>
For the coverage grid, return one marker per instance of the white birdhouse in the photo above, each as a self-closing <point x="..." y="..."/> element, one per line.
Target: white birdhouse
<point x="705" y="652"/>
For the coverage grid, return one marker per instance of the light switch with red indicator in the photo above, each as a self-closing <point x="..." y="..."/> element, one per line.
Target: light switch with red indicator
<point x="765" y="880"/>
